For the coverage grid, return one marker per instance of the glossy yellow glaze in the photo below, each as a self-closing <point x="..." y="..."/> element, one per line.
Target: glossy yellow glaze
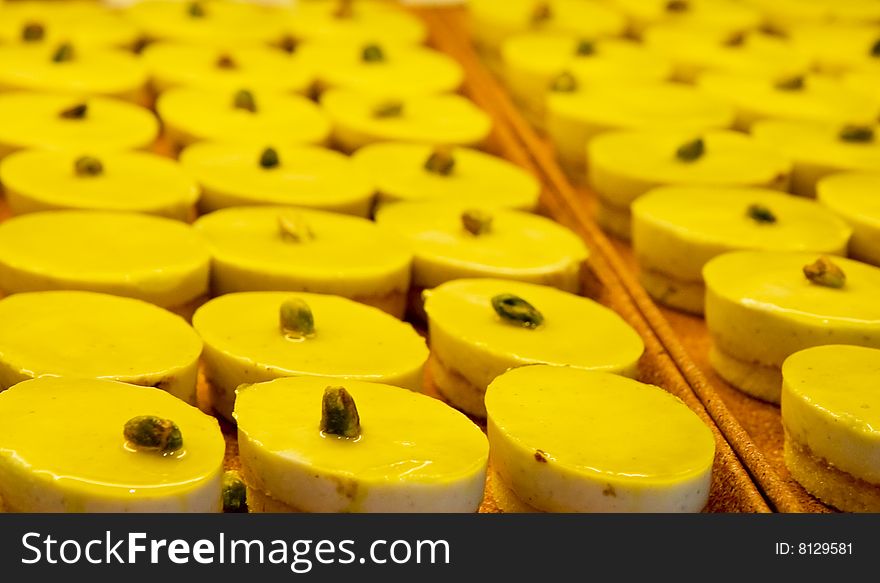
<point x="307" y="176"/>
<point x="533" y="59"/>
<point x="518" y="245"/>
<point x="50" y="464"/>
<point x="84" y="334"/>
<point x="368" y="22"/>
<point x="37" y="180"/>
<point x="347" y="256"/>
<point x="817" y="150"/>
<point x="244" y="343"/>
<point x="399" y="173"/>
<point x="33" y="120"/>
<point x="83" y="22"/>
<point x="573" y="119"/>
<point x="150" y="258"/>
<point x="92" y="71"/>
<point x="432" y="119"/>
<point x="831" y="405"/>
<point x="787" y="15"/>
<point x="728" y="16"/>
<point x="192" y="115"/>
<point x="569" y="440"/>
<point x="853" y="196"/>
<point x="838" y="48"/>
<point x="403" y="71"/>
<point x="822" y="99"/>
<point x="414" y="453"/>
<point x="260" y="68"/>
<point x="468" y="337"/>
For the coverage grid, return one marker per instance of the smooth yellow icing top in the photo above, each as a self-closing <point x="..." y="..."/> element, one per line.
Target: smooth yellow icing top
<point x="866" y="82"/>
<point x="822" y="99"/>
<point x="820" y="144"/>
<point x="84" y="23"/>
<point x="150" y="258"/>
<point x="433" y="119"/>
<point x="398" y="170"/>
<point x="598" y="424"/>
<point x="351" y="340"/>
<point x="227" y="24"/>
<point x="774" y="282"/>
<point x="405" y="436"/>
<point x="785" y="15"/>
<point x="730" y="158"/>
<point x="837" y="48"/>
<point x="591" y="19"/>
<point x="852" y="195"/>
<point x="89" y="458"/>
<point x="84" y="334"/>
<point x="645" y="106"/>
<point x="464" y="309"/>
<point x="344" y="250"/>
<point x="261" y="68"/>
<point x="369" y="22"/>
<point x="726" y="15"/>
<point x="306" y="176"/>
<point x="404" y="70"/>
<point x="92" y="71"/>
<point x="33" y="120"/>
<point x="199" y="114"/>
<point x="518" y="244"/>
<point x="130" y="181"/>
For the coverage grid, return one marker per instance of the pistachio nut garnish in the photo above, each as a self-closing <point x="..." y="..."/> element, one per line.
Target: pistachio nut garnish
<point x="825" y="272"/>
<point x="795" y="83"/>
<point x="440" y="161"/>
<point x="269" y="158"/>
<point x="294" y="228"/>
<point x="585" y="48"/>
<point x="565" y="82"/>
<point x="516" y="310"/>
<point x="857" y="134"/>
<point x="691" y="151"/>
<point x="678" y="6"/>
<point x="225" y="61"/>
<point x="296" y="318"/>
<point x="344" y="9"/>
<point x="244" y="99"/>
<point x="88" y="166"/>
<point x="151" y="433"/>
<point x="33" y="32"/>
<point x="195" y="10"/>
<point x="875" y="48"/>
<point x="288" y="44"/>
<point x="737" y="39"/>
<point x="476" y="222"/>
<point x="339" y="414"/>
<point x="234" y="492"/>
<point x="78" y="111"/>
<point x="388" y="109"/>
<point x="372" y="53"/>
<point x="64" y="53"/>
<point x="541" y="13"/>
<point x="760" y="214"/>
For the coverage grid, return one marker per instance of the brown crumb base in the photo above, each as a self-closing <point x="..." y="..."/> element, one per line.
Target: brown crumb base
<point x="832" y="486"/>
<point x="615" y="221"/>
<point x="686" y="296"/>
<point x="755" y="379"/>
<point x="260" y="502"/>
<point x="457" y="390"/>
<point x="506" y="499"/>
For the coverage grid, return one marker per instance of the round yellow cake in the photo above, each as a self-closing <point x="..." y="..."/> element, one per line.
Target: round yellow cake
<point x="853" y="196"/>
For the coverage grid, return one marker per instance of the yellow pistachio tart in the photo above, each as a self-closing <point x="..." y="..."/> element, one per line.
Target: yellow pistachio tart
<point x="533" y="61"/>
<point x="622" y="166"/>
<point x="831" y="416"/>
<point x="800" y="98"/>
<point x="761" y="307"/>
<point x="570" y="440"/>
<point x="361" y="21"/>
<point x="300" y="176"/>
<point x="241" y="116"/>
<point x="282" y="248"/>
<point x="380" y="449"/>
<point x="677" y="230"/>
<point x="728" y="16"/>
<point x="575" y="117"/>
<point x="384" y="69"/>
<point x="226" y="70"/>
<point x="50" y="464"/>
<point x="452" y="240"/>
<point x="855" y="197"/>
<point x="54" y="122"/>
<point x="38" y="180"/>
<point x="81" y="22"/>
<point x="818" y="150"/>
<point x="479" y="328"/>
<point x="149" y="258"/>
<point x="259" y="336"/>
<point x="786" y="15"/>
<point x="417" y="172"/>
<point x="359" y="119"/>
<point x="90" y="335"/>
